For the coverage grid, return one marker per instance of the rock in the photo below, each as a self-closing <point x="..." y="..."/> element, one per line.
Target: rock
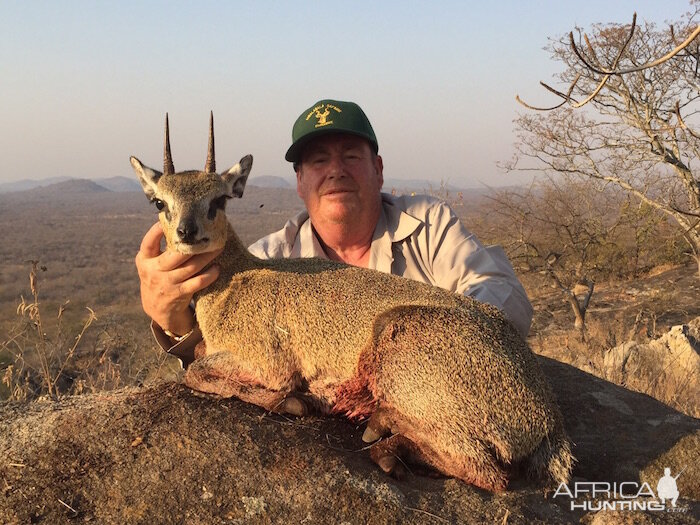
<point x="667" y="368"/>
<point x="164" y="454"/>
<point x="693" y="331"/>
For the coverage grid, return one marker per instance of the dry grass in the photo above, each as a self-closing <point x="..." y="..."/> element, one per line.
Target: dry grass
<point x="39" y="358"/>
<point x="63" y="355"/>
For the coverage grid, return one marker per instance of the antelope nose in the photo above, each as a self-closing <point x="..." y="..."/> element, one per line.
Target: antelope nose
<point x="187" y="230"/>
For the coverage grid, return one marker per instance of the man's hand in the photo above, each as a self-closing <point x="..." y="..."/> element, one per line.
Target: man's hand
<point x="169" y="280"/>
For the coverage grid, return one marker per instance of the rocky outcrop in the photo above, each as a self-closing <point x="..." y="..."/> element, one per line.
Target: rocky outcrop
<point x="667" y="368"/>
<point x="164" y="454"/>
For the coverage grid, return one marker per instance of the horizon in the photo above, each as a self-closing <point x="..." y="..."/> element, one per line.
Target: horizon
<point x="390" y="183"/>
<point x="91" y="84"/>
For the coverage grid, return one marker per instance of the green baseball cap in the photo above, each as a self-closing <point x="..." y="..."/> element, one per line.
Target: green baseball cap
<point x="329" y="116"/>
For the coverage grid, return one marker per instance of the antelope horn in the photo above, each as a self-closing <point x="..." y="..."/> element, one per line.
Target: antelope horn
<point x="168" y="168"/>
<point x="211" y="160"/>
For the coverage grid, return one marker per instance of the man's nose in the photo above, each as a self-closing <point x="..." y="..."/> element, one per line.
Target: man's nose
<point x="336" y="166"/>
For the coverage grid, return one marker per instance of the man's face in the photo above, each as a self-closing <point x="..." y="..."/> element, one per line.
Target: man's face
<point x="339" y="179"/>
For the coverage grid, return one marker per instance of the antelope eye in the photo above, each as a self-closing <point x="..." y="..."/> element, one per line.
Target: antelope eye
<point x="159" y="204"/>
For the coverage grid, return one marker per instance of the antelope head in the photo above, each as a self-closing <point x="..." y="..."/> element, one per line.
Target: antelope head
<point x="191" y="204"/>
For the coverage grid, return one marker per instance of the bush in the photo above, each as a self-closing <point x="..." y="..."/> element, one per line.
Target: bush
<point x="40" y="357"/>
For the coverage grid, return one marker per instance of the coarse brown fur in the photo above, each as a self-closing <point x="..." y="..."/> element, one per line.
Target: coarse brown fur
<point x="449" y="376"/>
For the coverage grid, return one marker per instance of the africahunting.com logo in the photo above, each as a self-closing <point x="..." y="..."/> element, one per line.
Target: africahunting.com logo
<point x="626" y="495"/>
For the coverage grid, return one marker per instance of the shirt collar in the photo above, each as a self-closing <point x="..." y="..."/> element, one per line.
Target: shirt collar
<point x="309" y="245"/>
<point x="399" y="224"/>
<point x="394" y="225"/>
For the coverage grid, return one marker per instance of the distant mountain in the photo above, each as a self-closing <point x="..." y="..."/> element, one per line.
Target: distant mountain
<point x="416" y="185"/>
<point x="269" y="181"/>
<point x="28" y="184"/>
<point x="119" y="183"/>
<point x="71" y="188"/>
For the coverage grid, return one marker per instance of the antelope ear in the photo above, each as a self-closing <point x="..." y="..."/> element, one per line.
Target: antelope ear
<point x="147" y="177"/>
<point x="236" y="177"/>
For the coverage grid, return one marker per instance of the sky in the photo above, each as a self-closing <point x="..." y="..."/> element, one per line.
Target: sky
<point x="84" y="85"/>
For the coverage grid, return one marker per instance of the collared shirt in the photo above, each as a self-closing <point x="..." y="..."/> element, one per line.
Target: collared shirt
<point x="421" y="238"/>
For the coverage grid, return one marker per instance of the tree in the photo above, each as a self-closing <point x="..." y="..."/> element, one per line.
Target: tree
<point x="636" y="129"/>
<point x="564" y="231"/>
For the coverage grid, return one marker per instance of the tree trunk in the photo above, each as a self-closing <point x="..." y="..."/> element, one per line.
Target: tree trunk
<point x="579" y="312"/>
<point x="580" y="307"/>
<point x="693" y="239"/>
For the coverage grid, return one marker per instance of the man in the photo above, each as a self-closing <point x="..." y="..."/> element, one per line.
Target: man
<point x="339" y="174"/>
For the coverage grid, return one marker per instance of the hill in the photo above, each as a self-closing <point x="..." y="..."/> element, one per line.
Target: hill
<point x="119" y="183"/>
<point x="165" y="454"/>
<point x="419" y="185"/>
<point x="64" y="191"/>
<point x="71" y="186"/>
<point x="116" y="184"/>
<point x="269" y="181"/>
<point x="28" y="184"/>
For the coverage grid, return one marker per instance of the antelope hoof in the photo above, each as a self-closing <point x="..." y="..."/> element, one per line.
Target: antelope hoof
<point x="387" y="463"/>
<point x="376" y="427"/>
<point x="294" y="406"/>
<point x="392" y="466"/>
<point x="370" y="435"/>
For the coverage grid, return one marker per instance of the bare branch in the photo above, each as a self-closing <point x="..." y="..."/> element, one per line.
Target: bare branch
<point x="685" y="212"/>
<point x="648" y="65"/>
<point x="590" y="47"/>
<point x="566" y="97"/>
<point x="622" y="49"/>
<point x="682" y="124"/>
<point x="607" y="73"/>
<point x="602" y="82"/>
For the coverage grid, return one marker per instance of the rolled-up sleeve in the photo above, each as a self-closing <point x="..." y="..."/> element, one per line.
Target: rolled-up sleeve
<point x="462" y="264"/>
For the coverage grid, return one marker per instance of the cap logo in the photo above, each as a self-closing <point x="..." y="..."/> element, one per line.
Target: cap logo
<point x="322" y="112"/>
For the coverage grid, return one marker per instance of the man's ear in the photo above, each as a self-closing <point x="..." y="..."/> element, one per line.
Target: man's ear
<point x="379" y="166"/>
<point x="237" y="176"/>
<point x="147" y="177"/>
<point x="298" y="172"/>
